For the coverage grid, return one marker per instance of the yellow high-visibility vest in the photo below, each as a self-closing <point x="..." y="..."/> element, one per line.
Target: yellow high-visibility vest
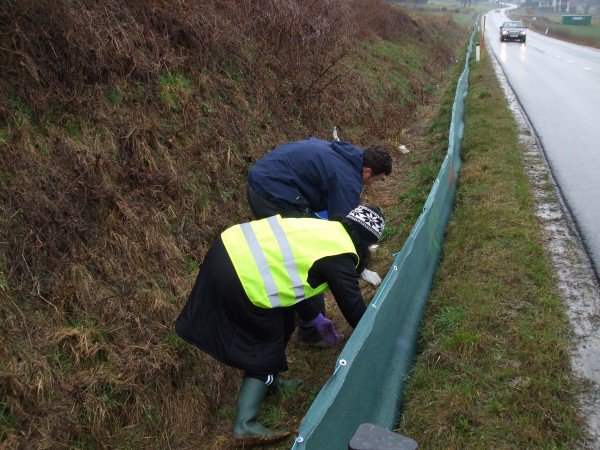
<point x="272" y="256"/>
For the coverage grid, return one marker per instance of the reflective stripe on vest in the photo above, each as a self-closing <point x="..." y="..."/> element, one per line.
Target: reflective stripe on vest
<point x="272" y="256"/>
<point x="262" y="264"/>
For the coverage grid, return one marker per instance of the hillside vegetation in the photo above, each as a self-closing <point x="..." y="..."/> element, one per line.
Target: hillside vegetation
<point x="127" y="128"/>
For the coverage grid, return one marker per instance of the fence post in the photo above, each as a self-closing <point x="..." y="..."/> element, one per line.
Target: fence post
<point x="483" y="36"/>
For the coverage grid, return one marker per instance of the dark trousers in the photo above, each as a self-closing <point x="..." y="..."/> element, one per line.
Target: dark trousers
<point x="288" y="329"/>
<point x="261" y="208"/>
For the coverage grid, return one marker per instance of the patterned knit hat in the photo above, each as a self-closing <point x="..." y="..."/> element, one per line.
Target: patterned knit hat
<point x="370" y="219"/>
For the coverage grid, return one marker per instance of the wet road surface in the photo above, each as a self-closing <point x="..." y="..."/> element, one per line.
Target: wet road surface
<point x="558" y="85"/>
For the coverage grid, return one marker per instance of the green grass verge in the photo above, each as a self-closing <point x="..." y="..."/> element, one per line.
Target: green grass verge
<point x="493" y="369"/>
<point x="461" y="14"/>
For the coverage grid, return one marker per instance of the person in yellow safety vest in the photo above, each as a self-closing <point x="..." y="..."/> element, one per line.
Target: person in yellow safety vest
<point x="306" y="178"/>
<point x="252" y="280"/>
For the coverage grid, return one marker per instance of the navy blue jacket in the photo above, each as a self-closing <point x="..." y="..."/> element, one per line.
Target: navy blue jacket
<point x="314" y="174"/>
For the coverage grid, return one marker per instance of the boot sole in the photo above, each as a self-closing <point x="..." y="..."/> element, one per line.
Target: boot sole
<point x="258" y="441"/>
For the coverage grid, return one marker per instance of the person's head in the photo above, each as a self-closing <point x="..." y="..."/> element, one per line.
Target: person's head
<point x="364" y="225"/>
<point x="368" y="222"/>
<point x="376" y="165"/>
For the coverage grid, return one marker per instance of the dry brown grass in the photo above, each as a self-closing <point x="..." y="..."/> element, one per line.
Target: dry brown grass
<point x="126" y="132"/>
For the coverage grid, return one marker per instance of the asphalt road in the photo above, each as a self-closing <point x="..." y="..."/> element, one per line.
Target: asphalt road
<point x="558" y="86"/>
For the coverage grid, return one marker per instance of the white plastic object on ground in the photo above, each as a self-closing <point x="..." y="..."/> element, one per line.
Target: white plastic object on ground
<point x="335" y="135"/>
<point x="403" y="149"/>
<point x="371" y="277"/>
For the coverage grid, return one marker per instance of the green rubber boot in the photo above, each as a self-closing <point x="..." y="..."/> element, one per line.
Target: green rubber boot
<point x="249" y="399"/>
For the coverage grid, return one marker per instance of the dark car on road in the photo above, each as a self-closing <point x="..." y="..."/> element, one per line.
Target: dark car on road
<point x="513" y="31"/>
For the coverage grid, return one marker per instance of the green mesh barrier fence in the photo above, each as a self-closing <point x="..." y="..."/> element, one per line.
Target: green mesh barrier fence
<point x="369" y="377"/>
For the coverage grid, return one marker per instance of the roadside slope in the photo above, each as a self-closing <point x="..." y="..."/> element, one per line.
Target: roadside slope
<point x="121" y="160"/>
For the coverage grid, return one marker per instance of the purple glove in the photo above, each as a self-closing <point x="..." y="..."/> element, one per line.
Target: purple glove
<point x="326" y="328"/>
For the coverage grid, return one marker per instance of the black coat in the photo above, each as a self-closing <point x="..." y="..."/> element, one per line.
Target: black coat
<point x="220" y="319"/>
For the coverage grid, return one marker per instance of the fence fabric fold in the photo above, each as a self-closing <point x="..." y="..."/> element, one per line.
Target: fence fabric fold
<point x="369" y="377"/>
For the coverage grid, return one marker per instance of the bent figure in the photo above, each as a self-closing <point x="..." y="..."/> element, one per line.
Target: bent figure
<point x="302" y="178"/>
<point x="305" y="177"/>
<point x="252" y="280"/>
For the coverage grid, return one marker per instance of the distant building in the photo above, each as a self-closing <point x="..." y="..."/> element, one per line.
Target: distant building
<point x="549" y="5"/>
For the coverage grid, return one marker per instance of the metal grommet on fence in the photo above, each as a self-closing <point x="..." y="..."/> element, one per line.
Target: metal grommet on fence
<point x="297" y="440"/>
<point x="341" y="362"/>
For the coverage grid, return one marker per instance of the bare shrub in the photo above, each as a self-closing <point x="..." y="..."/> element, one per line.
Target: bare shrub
<point x="383" y="21"/>
<point x="56" y="48"/>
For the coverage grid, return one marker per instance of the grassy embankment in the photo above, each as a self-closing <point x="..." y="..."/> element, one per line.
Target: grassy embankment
<point x="493" y="369"/>
<point x="463" y="15"/>
<point x="578" y="34"/>
<point x="120" y="161"/>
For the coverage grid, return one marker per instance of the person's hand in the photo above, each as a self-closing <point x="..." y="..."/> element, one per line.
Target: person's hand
<point x="326" y="329"/>
<point x="371" y="277"/>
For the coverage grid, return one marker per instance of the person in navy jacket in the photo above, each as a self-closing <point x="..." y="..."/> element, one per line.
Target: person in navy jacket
<point x="302" y="178"/>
